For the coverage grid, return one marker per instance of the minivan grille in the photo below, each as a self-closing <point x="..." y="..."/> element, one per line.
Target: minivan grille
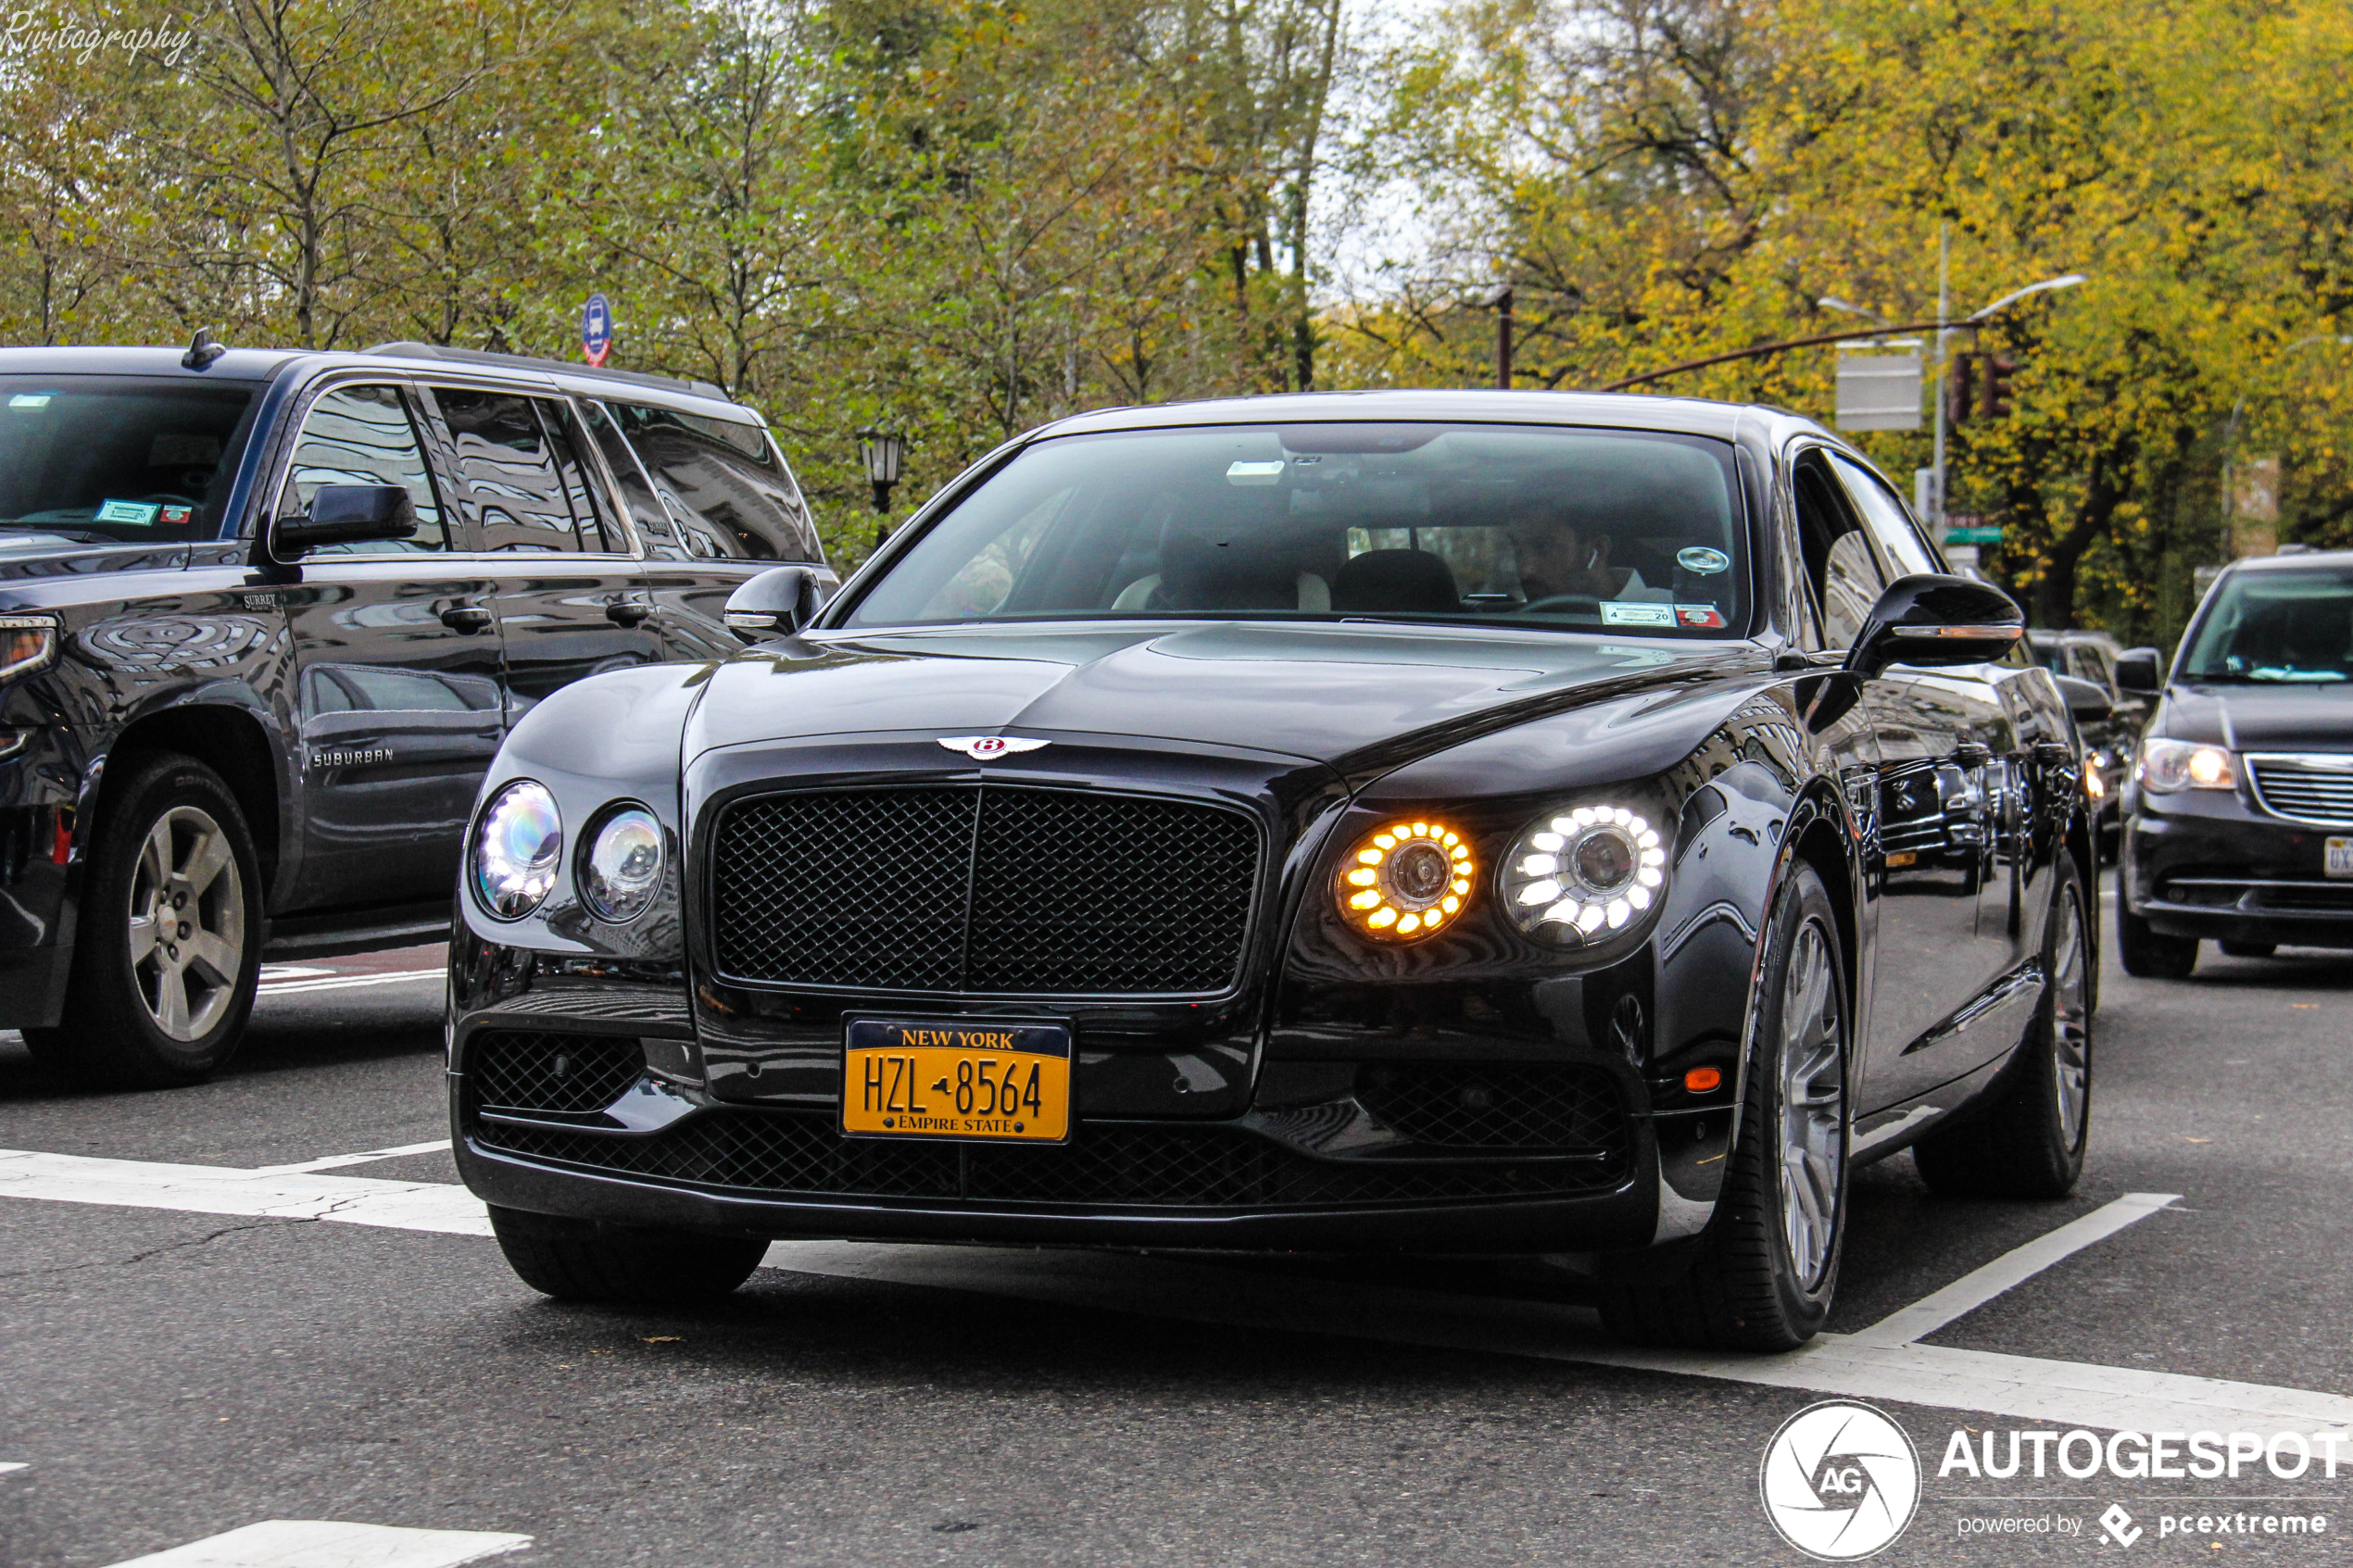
<point x="2309" y="788"/>
<point x="997" y="889"/>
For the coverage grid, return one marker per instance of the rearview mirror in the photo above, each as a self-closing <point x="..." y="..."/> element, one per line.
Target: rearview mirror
<point x="348" y="514"/>
<point x="2137" y="669"/>
<point x="777" y="603"/>
<point x="2086" y="699"/>
<point x="1932" y="620"/>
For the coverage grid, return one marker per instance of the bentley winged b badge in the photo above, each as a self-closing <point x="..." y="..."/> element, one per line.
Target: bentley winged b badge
<point x="980" y="748"/>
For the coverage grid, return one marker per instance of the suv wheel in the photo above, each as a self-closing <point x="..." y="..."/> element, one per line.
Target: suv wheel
<point x="2148" y="954"/>
<point x="168" y="944"/>
<point x="1768" y="1263"/>
<point x="2030" y="1141"/>
<point x="578" y="1260"/>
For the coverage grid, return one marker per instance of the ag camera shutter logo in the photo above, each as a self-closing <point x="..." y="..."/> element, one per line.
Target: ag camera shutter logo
<point x="1840" y="1481"/>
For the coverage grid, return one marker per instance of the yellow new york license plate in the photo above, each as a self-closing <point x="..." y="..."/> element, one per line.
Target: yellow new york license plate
<point x="923" y="1079"/>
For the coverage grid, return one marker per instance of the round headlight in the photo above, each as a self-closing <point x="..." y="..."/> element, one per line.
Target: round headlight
<point x="1406" y="881"/>
<point x="1584" y="873"/>
<point x="519" y="850"/>
<point x="622" y="872"/>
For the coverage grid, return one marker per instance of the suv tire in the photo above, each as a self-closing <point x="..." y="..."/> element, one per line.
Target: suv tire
<point x="2147" y="953"/>
<point x="167" y="946"/>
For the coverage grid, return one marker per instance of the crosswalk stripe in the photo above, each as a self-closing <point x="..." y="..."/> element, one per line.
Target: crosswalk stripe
<point x="328" y="1543"/>
<point x="2030" y="1389"/>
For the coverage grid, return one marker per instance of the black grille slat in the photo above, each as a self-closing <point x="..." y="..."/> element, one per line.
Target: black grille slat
<point x="998" y="890"/>
<point x="552" y="1073"/>
<point x="800" y="1154"/>
<point x="2295" y="789"/>
<point x="1483" y="1107"/>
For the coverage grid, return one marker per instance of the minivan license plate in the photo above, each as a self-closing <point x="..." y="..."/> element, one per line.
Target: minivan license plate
<point x="2340" y="857"/>
<point x="962" y="1081"/>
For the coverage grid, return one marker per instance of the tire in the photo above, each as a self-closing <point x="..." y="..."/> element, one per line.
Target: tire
<point x="2029" y="1141"/>
<point x="1766" y="1266"/>
<point x="2248" y="949"/>
<point x="578" y="1260"/>
<point x="168" y="944"/>
<point x="2148" y="954"/>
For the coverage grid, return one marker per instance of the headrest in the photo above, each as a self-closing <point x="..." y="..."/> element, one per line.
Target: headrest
<point x="1397" y="581"/>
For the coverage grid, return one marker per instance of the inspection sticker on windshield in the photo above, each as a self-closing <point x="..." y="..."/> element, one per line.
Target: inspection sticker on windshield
<point x="126" y="512"/>
<point x="2340" y="857"/>
<point x="1616" y="614"/>
<point x="1699" y="615"/>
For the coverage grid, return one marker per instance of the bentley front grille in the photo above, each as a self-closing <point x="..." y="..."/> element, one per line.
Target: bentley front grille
<point x="995" y="889"/>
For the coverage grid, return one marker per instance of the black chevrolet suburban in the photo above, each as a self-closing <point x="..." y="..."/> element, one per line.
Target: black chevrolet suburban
<point x="265" y="616"/>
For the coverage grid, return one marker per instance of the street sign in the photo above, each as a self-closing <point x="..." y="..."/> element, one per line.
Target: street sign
<point x="1992" y="535"/>
<point x="596" y="329"/>
<point x="1879" y="392"/>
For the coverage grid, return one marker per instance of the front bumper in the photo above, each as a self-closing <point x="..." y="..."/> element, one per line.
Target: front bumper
<point x="2211" y="865"/>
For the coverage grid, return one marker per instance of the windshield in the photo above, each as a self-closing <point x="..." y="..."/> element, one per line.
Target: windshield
<point x="1629" y="531"/>
<point x="93" y="458"/>
<point x="2276" y="626"/>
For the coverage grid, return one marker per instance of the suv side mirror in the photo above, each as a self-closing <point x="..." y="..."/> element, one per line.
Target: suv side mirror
<point x="348" y="514"/>
<point x="2136" y="671"/>
<point x="1931" y="620"/>
<point x="2086" y="699"/>
<point x="777" y="603"/>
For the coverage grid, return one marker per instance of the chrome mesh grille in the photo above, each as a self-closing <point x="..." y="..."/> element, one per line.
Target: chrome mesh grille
<point x="996" y="890"/>
<point x="2295" y="788"/>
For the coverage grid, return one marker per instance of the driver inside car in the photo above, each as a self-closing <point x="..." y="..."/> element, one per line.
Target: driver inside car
<point x="1556" y="556"/>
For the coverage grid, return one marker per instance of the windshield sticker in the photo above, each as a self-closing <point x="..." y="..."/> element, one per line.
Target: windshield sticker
<point x="137" y="513"/>
<point x="174" y="514"/>
<point x="1256" y="473"/>
<point x="29" y="399"/>
<point x="1703" y="560"/>
<point x="1699" y="615"/>
<point x="1616" y="614"/>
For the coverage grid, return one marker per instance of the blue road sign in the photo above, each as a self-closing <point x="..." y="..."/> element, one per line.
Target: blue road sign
<point x="596" y="329"/>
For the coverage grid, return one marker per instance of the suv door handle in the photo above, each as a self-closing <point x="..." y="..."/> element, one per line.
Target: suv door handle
<point x="466" y="618"/>
<point x="627" y="612"/>
<point x="1972" y="754"/>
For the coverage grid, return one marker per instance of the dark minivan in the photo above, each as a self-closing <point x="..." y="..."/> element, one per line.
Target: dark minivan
<point x="265" y="616"/>
<point x="2239" y="812"/>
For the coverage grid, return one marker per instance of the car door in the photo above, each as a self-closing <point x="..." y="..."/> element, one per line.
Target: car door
<point x="1952" y="816"/>
<point x="715" y="504"/>
<point x="398" y="659"/>
<point x="569" y="599"/>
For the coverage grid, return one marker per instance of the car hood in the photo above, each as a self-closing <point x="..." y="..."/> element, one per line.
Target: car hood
<point x="2284" y="718"/>
<point x="1347" y="695"/>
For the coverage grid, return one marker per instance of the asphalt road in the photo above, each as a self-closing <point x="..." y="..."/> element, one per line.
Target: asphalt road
<point x="167" y="1376"/>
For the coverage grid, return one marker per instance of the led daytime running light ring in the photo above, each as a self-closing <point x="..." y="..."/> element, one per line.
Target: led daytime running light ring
<point x="1585" y="873"/>
<point x="1407" y="881"/>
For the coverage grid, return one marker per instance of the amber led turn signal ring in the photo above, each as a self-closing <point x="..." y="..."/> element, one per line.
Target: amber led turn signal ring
<point x="1407" y="881"/>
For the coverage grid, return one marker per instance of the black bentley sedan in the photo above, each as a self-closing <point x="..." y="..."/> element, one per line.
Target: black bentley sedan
<point x="1433" y="822"/>
<point x="2239" y="812"/>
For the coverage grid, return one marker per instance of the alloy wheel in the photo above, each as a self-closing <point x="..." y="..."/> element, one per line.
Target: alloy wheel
<point x="1813" y="1090"/>
<point x="187" y="923"/>
<point x="2070" y="1021"/>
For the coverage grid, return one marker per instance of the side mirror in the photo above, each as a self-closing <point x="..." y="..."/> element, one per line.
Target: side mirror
<point x="777" y="603"/>
<point x="2136" y="671"/>
<point x="348" y="514"/>
<point x="2086" y="699"/>
<point x="1932" y="620"/>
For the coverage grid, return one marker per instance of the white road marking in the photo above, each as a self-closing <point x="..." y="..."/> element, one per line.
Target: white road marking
<point x="271" y="971"/>
<point x="345" y="981"/>
<point x="2027" y="1389"/>
<point x="1975" y="1289"/>
<point x="6" y="1468"/>
<point x="326" y="1543"/>
<point x="337" y="1162"/>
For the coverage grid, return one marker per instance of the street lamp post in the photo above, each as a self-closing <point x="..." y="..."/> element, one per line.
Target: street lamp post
<point x="882" y="452"/>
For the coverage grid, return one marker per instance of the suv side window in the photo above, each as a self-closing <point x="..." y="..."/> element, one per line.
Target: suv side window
<point x="1839" y="566"/>
<point x="527" y="488"/>
<point x="722" y="485"/>
<point x="654" y="525"/>
<point x="1898" y="538"/>
<point x="363" y="435"/>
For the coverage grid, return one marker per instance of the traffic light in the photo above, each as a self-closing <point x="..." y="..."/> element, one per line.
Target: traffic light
<point x="1996" y="392"/>
<point x="1960" y="388"/>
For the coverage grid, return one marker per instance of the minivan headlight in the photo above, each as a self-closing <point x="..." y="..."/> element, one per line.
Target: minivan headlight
<point x="2169" y="765"/>
<point x="621" y="875"/>
<point x="518" y="850"/>
<point x="1579" y="875"/>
